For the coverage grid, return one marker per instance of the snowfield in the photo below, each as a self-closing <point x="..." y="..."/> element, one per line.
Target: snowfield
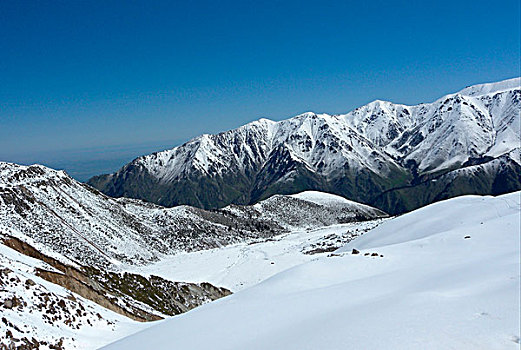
<point x="446" y="276"/>
<point x="243" y="265"/>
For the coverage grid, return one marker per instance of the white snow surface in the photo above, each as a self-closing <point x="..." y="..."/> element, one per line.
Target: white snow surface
<point x="483" y="89"/>
<point x="446" y="276"/>
<point x="243" y="265"/>
<point x="323" y="198"/>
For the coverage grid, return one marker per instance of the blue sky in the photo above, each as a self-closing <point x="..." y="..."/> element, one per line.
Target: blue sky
<point x="82" y="81"/>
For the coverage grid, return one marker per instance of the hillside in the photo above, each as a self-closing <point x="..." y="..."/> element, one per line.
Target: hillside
<point x="39" y="314"/>
<point x="57" y="214"/>
<point x="78" y="269"/>
<point x="444" y="276"/>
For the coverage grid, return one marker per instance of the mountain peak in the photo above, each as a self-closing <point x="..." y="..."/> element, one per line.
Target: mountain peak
<point x="494" y="87"/>
<point x="305" y="115"/>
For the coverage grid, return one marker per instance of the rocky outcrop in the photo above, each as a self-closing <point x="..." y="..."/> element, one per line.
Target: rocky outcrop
<point x="134" y="296"/>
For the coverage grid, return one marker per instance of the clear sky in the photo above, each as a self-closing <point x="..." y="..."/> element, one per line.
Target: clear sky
<point x="95" y="77"/>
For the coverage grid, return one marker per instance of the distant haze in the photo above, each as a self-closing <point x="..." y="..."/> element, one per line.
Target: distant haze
<point x="82" y="164"/>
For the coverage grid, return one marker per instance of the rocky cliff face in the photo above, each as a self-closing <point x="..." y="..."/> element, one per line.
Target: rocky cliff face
<point x="376" y="149"/>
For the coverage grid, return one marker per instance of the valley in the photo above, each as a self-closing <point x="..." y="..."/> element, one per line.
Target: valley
<point x="315" y="231"/>
<point x="443" y="276"/>
<point x="74" y="260"/>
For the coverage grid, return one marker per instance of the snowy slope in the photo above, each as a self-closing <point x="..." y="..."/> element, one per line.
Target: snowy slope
<point x="311" y="209"/>
<point x="40" y="314"/>
<point x="64" y="245"/>
<point x="329" y="199"/>
<point x="79" y="225"/>
<point x="488" y="88"/>
<point x="442" y="277"/>
<point x="360" y="155"/>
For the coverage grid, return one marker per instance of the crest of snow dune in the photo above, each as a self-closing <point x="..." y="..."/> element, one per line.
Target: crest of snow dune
<point x="323" y="198"/>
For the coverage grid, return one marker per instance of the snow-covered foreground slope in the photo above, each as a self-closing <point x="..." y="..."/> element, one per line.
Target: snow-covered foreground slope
<point x="443" y="277"/>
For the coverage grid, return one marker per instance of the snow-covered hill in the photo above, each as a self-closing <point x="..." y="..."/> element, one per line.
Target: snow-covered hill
<point x="64" y="218"/>
<point x="445" y="276"/>
<point x="362" y="155"/>
<point x="76" y="266"/>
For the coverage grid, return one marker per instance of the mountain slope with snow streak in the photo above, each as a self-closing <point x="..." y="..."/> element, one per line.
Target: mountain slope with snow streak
<point x="39" y="314"/>
<point x="444" y="276"/>
<point x="360" y="155"/>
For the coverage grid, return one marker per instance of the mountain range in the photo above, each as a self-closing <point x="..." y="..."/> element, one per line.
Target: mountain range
<point x="390" y="156"/>
<point x="80" y="268"/>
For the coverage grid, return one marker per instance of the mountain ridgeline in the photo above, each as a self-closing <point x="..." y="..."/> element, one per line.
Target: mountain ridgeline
<point x="391" y="156"/>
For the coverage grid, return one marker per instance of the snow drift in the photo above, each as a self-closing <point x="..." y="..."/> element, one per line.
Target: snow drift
<point x="444" y="276"/>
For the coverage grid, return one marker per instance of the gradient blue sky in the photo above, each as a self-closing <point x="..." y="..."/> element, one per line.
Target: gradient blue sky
<point x="84" y="80"/>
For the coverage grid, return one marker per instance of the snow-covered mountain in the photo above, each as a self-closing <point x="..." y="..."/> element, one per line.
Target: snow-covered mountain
<point x="369" y="155"/>
<point x="445" y="276"/>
